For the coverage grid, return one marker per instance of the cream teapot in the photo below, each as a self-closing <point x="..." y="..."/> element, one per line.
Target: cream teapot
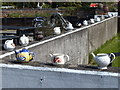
<point x="24" y="41"/>
<point x="9" y="45"/>
<point x="103" y="60"/>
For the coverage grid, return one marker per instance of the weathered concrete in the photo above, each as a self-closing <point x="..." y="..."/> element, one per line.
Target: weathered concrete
<point x="18" y="76"/>
<point x="100" y="33"/>
<point x="77" y="44"/>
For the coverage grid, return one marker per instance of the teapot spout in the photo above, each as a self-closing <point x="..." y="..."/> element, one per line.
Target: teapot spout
<point x="16" y="52"/>
<point x="93" y="54"/>
<point x="50" y="55"/>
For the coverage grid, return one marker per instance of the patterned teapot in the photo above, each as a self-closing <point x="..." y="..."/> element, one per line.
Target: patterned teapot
<point x="24" y="55"/>
<point x="59" y="59"/>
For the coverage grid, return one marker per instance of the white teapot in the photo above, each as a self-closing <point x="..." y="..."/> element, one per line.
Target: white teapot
<point x="9" y="45"/>
<point x="24" y="41"/>
<point x="69" y="26"/>
<point x="85" y="22"/>
<point x="59" y="59"/>
<point x="57" y="30"/>
<point x="97" y="19"/>
<point x="103" y="60"/>
<point x="110" y="14"/>
<point x="92" y="21"/>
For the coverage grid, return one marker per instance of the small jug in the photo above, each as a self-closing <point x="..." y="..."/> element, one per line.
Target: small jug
<point x="59" y="59"/>
<point x="57" y="31"/>
<point x="103" y="60"/>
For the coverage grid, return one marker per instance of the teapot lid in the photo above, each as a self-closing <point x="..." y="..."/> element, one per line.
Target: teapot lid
<point x="102" y="54"/>
<point x="24" y="50"/>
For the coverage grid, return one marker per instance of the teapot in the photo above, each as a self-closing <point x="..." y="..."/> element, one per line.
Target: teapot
<point x="85" y="22"/>
<point x="110" y="14"/>
<point x="39" y="35"/>
<point x="24" y="55"/>
<point x="57" y="30"/>
<point x="102" y="17"/>
<point x="97" y="19"/>
<point x="24" y="41"/>
<point x="92" y="21"/>
<point x="69" y="26"/>
<point x="59" y="59"/>
<point x="103" y="60"/>
<point x="78" y="24"/>
<point x="9" y="45"/>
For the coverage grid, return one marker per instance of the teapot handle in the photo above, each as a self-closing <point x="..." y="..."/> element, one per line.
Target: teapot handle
<point x="67" y="57"/>
<point x="113" y="56"/>
<point x="33" y="54"/>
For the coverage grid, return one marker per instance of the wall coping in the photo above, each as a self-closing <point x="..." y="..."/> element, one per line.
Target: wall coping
<point x="62" y="70"/>
<point x="51" y="39"/>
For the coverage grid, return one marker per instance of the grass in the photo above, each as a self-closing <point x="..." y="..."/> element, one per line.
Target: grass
<point x="110" y="46"/>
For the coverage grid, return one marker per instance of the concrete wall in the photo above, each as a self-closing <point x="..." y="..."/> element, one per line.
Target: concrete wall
<point x="17" y="76"/>
<point x="77" y="44"/>
<point x="100" y="33"/>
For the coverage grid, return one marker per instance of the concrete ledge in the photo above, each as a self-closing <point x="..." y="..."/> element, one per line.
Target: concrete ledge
<point x="23" y="76"/>
<point x="65" y="70"/>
